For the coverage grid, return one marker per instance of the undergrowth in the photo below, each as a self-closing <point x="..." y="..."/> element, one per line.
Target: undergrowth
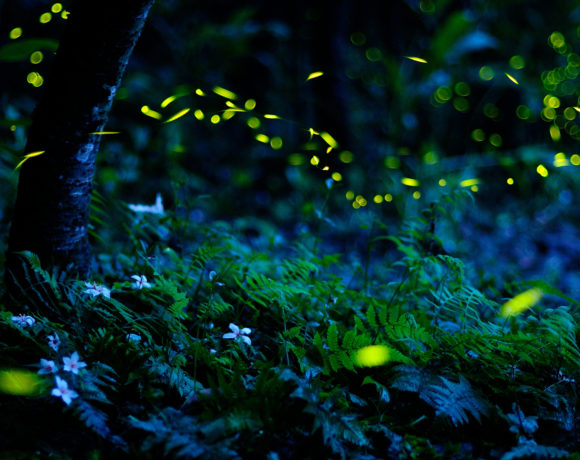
<point x="172" y="371"/>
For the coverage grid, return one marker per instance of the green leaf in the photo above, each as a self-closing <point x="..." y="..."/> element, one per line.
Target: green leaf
<point x="332" y="337"/>
<point x="372" y="317"/>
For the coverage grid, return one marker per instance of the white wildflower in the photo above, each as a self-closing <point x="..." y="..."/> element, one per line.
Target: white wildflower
<point x="157" y="208"/>
<point x="238" y="334"/>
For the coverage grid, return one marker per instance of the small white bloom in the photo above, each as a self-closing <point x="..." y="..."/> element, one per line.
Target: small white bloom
<point x="140" y="282"/>
<point x="135" y="338"/>
<point x="47" y="367"/>
<point x="54" y="341"/>
<point x="73" y="364"/>
<point x="23" y="320"/>
<point x="157" y="208"/>
<point x="238" y="334"/>
<point x="96" y="290"/>
<point x="63" y="391"/>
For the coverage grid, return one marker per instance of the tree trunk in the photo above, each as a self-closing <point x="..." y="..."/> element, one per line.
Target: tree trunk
<point x="54" y="189"/>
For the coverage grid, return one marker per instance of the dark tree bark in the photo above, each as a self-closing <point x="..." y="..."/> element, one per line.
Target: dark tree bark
<point x="54" y="190"/>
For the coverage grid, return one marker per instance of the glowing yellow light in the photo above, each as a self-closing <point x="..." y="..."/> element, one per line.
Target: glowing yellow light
<point x="517" y="62"/>
<point x="510" y="181"/>
<point x="27" y="157"/>
<point x="478" y="135"/>
<point x="557" y="40"/>
<point x="254" y="122"/>
<point x="349" y="195"/>
<point x="576" y="108"/>
<point x="521" y="303"/>
<point x="215" y="119"/>
<point x="12" y="128"/>
<point x="326" y="168"/>
<point x="575" y="159"/>
<point x="20" y="382"/>
<point x="150" y="113"/>
<point x="296" y="159"/>
<point x="555" y="133"/>
<point x="314" y="160"/>
<point x="56" y="8"/>
<point x="416" y="195"/>
<point x="45" y="18"/>
<point x="262" y="138"/>
<point x="548" y="113"/>
<point x="410" y="182"/>
<point x="105" y="133"/>
<point x="336" y="176"/>
<point x="312" y="132"/>
<point x="512" y="78"/>
<point x="495" y="140"/>
<point x="271" y="116"/>
<point x="250" y="104"/>
<point x="474" y="188"/>
<point x="355" y="205"/>
<point x="15" y="33"/>
<point x="314" y="75"/>
<point x="569" y="113"/>
<point x="276" y="143"/>
<point x="328" y="149"/>
<point x="167" y="101"/>
<point x="36" y="57"/>
<point x="345" y="156"/>
<point x="378" y="199"/>
<point x="560" y="160"/>
<point x="64" y="14"/>
<point x="199" y="114"/>
<point x="35" y="79"/>
<point x="469" y="182"/>
<point x="486" y="73"/>
<point x="542" y="171"/>
<point x="329" y="139"/>
<point x="553" y="102"/>
<point x="360" y="199"/>
<point x="388" y="197"/>
<point x="178" y="115"/>
<point x="199" y="92"/>
<point x="416" y="59"/>
<point x="442" y="182"/>
<point x="372" y="356"/>
<point x="230" y="113"/>
<point x="224" y="92"/>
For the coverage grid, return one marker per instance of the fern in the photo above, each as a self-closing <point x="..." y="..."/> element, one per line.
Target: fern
<point x="186" y="437"/>
<point x="449" y="399"/>
<point x="530" y="448"/>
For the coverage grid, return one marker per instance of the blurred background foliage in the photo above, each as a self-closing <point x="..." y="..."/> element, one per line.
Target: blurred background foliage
<point x="415" y="99"/>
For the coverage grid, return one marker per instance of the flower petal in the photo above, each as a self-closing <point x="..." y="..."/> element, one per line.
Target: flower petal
<point x="235" y="329"/>
<point x="246" y="331"/>
<point x="229" y="335"/>
<point x="246" y="339"/>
